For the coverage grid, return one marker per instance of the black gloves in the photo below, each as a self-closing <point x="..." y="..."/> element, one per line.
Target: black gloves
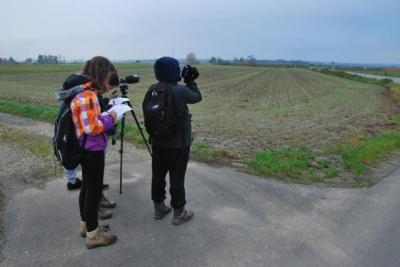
<point x="112" y="130"/>
<point x="189" y="74"/>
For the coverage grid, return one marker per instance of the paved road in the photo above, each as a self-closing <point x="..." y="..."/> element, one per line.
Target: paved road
<point x="379" y="77"/>
<point x="240" y="220"/>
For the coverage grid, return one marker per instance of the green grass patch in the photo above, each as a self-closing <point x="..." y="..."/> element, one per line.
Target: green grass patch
<point x="395" y="93"/>
<point x="357" y="157"/>
<point x="132" y="134"/>
<point x="395" y="119"/>
<point x="295" y="164"/>
<point x="200" y="150"/>
<point x="49" y="114"/>
<point x="34" y="111"/>
<point x="206" y="153"/>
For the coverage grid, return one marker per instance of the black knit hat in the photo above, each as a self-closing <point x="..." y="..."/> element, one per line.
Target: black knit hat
<point x="167" y="69"/>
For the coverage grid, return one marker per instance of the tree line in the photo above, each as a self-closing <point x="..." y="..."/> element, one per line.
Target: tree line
<point x="249" y="61"/>
<point x="41" y="59"/>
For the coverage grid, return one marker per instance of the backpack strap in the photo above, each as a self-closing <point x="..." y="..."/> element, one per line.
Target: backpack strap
<point x="170" y="90"/>
<point x="84" y="141"/>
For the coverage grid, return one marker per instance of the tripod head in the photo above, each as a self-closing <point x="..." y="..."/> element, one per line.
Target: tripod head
<point x="123" y="87"/>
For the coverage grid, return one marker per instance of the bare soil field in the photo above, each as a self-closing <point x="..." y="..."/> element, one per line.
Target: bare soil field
<point x="243" y="109"/>
<point x="316" y="127"/>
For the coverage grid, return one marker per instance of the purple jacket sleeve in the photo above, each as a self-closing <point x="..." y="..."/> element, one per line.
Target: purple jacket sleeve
<point x="107" y="121"/>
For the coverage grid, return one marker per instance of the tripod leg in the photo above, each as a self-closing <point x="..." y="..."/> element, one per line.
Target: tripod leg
<point x="121" y="153"/>
<point x="140" y="128"/>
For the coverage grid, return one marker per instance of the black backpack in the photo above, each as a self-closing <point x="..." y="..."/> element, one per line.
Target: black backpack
<point x="160" y="119"/>
<point x="66" y="146"/>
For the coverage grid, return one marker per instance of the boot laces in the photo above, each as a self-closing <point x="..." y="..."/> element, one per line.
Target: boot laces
<point x="102" y="230"/>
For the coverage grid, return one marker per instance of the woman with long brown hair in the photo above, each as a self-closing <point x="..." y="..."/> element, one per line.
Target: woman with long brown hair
<point x="90" y="127"/>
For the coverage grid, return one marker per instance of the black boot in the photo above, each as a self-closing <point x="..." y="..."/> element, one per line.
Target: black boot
<point x="104" y="214"/>
<point x="160" y="210"/>
<point x="75" y="186"/>
<point x="181" y="216"/>
<point x="106" y="203"/>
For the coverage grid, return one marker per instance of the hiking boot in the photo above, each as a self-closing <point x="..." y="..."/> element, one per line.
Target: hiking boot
<point x="105" y="227"/>
<point x="106" y="203"/>
<point x="160" y="210"/>
<point x="75" y="186"/>
<point x="104" y="214"/>
<point x="181" y="216"/>
<point x="98" y="238"/>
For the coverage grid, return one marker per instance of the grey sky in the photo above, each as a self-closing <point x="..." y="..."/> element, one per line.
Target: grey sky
<point x="339" y="30"/>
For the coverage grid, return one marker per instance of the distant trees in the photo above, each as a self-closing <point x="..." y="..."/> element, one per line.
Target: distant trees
<point x="191" y="59"/>
<point x="49" y="59"/>
<point x="8" y="61"/>
<point x="41" y="59"/>
<point x="213" y="60"/>
<point x="29" y="60"/>
<point x="251" y="61"/>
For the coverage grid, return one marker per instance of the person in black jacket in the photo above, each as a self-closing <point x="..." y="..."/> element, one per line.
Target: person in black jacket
<point x="172" y="154"/>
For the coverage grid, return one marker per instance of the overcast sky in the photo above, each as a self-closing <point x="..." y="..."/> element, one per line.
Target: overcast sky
<point x="365" y="31"/>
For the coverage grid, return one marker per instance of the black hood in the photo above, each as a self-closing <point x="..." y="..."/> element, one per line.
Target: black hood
<point x="167" y="69"/>
<point x="75" y="80"/>
<point x="72" y="86"/>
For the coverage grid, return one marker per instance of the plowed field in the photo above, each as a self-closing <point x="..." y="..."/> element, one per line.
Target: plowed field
<point x="243" y="109"/>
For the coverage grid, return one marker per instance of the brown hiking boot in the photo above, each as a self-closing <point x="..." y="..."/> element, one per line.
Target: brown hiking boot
<point x="181" y="216"/>
<point x="160" y="210"/>
<point x="105" y="227"/>
<point x="98" y="238"/>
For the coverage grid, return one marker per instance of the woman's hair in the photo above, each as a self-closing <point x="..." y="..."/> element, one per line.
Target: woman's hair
<point x="98" y="70"/>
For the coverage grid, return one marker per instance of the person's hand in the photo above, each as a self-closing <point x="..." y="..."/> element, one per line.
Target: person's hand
<point x="189" y="74"/>
<point x="114" y="115"/>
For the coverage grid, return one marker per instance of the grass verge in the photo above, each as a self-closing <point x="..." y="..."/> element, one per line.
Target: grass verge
<point x="37" y="145"/>
<point x="295" y="164"/>
<point x="49" y="114"/>
<point x="354" y="156"/>
<point x="205" y="153"/>
<point x="34" y="111"/>
<point x="368" y="151"/>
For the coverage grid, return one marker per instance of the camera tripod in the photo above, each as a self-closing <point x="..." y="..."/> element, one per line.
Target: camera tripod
<point x="124" y="92"/>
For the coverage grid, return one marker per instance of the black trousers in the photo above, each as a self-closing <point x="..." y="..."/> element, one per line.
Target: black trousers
<point x="174" y="161"/>
<point x="92" y="185"/>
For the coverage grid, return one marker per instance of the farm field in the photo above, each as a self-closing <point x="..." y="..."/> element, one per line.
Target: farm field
<point x="244" y="110"/>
